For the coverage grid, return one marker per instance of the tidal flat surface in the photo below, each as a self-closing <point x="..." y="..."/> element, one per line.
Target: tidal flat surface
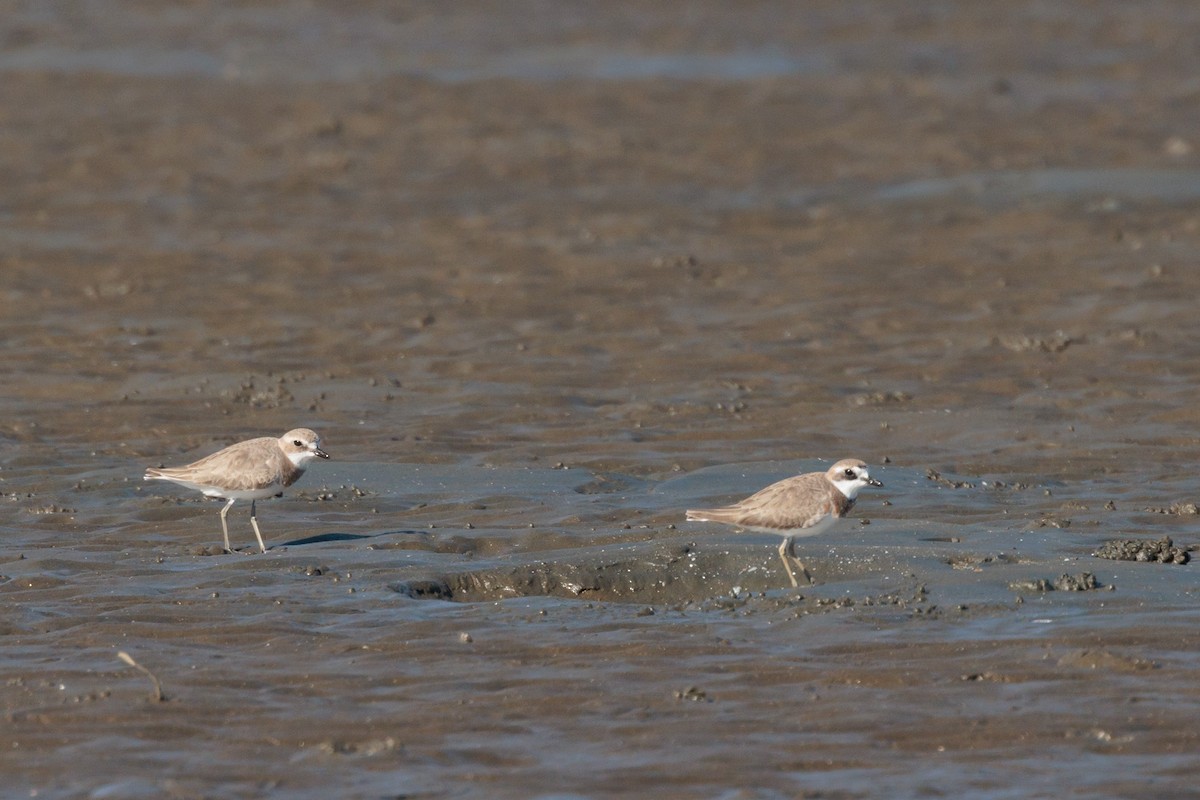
<point x="544" y="275"/>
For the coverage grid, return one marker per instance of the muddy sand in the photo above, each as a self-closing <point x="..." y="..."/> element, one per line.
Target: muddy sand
<point x="543" y="275"/>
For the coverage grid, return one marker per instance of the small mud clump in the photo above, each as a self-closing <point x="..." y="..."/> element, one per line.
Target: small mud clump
<point x="1176" y="509"/>
<point x="1083" y="582"/>
<point x="424" y="589"/>
<point x="1018" y="343"/>
<point x="1162" y="551"/>
<point x="937" y="477"/>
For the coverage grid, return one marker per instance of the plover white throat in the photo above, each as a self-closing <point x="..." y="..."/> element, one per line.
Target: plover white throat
<point x="803" y="505"/>
<point x="249" y="470"/>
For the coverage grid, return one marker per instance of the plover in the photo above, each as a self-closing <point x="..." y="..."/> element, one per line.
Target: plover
<point x="249" y="470"/>
<point x="803" y="505"/>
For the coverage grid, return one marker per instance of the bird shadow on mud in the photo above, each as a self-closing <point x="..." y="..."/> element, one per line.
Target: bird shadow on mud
<point x="334" y="536"/>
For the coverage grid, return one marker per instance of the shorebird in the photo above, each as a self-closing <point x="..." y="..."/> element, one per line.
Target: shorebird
<point x="249" y="470"/>
<point x="803" y="505"/>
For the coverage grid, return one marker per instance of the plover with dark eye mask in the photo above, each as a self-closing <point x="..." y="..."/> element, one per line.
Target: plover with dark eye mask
<point x="804" y="505"/>
<point x="249" y="470"/>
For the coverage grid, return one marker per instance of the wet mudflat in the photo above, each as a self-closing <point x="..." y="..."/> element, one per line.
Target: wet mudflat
<point x="543" y="276"/>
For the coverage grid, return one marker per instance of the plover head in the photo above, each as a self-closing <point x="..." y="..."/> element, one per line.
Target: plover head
<point x="850" y="475"/>
<point x="301" y="446"/>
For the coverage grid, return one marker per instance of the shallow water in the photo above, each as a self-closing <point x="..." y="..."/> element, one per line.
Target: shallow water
<point x="543" y="279"/>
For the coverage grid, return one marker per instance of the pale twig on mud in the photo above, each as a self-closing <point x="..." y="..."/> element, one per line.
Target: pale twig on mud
<point x="128" y="659"/>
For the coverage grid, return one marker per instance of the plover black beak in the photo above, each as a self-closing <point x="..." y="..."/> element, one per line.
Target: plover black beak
<point x="319" y="453"/>
<point x="873" y="482"/>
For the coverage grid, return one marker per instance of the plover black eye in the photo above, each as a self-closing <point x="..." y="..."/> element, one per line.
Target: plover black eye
<point x="850" y="473"/>
<point x="299" y="443"/>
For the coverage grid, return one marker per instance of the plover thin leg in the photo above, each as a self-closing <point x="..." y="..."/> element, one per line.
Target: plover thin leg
<point x="796" y="558"/>
<point x="254" y="522"/>
<point x="784" y="548"/>
<point x="225" y="527"/>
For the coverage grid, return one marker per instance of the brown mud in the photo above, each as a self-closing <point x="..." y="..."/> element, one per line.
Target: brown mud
<point x="543" y="275"/>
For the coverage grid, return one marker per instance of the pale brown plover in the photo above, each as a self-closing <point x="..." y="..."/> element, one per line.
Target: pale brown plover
<point x="249" y="470"/>
<point x="803" y="505"/>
